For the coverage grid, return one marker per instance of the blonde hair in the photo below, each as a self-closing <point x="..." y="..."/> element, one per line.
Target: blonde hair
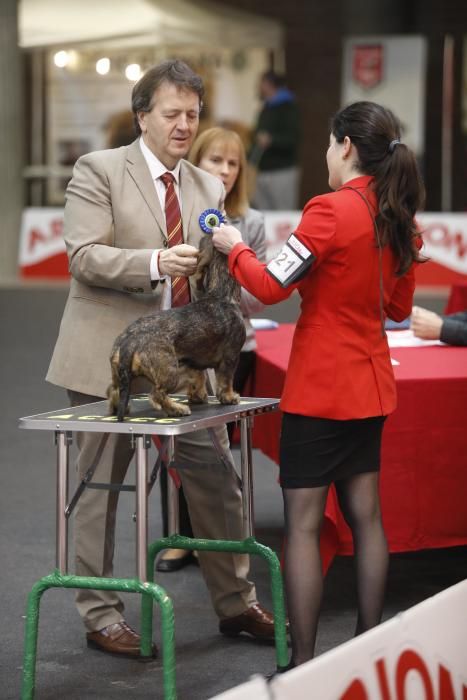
<point x="236" y="202"/>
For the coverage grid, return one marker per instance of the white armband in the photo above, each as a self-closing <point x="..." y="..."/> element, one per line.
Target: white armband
<point x="291" y="263"/>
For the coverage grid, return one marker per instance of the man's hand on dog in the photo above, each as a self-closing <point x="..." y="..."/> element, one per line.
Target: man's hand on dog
<point x="179" y="261"/>
<point x="225" y="237"/>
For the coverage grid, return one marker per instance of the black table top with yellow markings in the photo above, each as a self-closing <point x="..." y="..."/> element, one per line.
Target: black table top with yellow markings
<point x="143" y="418"/>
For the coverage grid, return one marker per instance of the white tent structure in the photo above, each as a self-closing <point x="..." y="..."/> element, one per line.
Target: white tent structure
<point x="125" y="23"/>
<point x="229" y="46"/>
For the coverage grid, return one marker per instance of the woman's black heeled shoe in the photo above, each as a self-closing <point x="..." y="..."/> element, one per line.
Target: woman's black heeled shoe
<point x="281" y="669"/>
<point x="169" y="565"/>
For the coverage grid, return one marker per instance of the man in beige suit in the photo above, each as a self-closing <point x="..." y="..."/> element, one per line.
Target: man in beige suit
<point x="116" y="237"/>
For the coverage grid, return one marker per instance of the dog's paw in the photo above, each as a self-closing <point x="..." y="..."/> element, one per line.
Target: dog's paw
<point x="229" y="397"/>
<point x="114" y="397"/>
<point x="177" y="410"/>
<point x="198" y="398"/>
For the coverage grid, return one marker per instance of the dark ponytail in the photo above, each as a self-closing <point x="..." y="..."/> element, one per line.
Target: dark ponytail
<point x="376" y="133"/>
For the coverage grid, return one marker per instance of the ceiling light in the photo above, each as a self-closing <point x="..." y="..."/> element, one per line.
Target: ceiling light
<point x="103" y="66"/>
<point x="61" y="59"/>
<point x="133" y="71"/>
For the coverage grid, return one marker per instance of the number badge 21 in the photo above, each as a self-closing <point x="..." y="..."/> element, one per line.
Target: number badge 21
<point x="291" y="263"/>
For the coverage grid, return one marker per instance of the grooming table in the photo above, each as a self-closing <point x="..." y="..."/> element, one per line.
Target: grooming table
<point x="141" y="424"/>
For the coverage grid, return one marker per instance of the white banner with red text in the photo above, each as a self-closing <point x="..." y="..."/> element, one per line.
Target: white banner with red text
<point x="421" y="654"/>
<point x="42" y="250"/>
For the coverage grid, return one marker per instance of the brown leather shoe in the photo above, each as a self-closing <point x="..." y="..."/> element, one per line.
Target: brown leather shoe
<point x="256" y="621"/>
<point x="118" y="639"/>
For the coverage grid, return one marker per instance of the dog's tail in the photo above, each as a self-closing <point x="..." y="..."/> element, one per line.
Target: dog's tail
<point x="124" y="381"/>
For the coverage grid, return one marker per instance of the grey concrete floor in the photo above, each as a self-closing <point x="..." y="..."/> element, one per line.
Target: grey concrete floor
<point x="207" y="662"/>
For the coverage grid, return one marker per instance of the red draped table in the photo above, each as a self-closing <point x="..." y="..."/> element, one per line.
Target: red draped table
<point x="424" y="454"/>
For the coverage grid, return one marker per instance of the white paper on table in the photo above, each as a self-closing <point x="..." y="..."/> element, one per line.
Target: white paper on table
<point x="406" y="339"/>
<point x="263" y="324"/>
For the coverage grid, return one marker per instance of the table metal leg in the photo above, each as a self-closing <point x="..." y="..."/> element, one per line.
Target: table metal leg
<point x="172" y="493"/>
<point x="142" y="444"/>
<point x="63" y="442"/>
<point x="167" y="621"/>
<point x="247" y="476"/>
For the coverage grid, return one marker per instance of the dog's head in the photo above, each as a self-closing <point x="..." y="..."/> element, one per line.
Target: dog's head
<point x="212" y="274"/>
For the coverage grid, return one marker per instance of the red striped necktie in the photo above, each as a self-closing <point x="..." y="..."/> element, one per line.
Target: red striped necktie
<point x="173" y="218"/>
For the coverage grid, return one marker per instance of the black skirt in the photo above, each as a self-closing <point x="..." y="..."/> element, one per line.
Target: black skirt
<point x="318" y="451"/>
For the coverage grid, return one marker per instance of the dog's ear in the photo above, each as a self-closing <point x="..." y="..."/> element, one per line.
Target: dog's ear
<point x="206" y="249"/>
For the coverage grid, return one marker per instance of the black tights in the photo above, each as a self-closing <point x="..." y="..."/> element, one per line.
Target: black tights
<point x="304" y="510"/>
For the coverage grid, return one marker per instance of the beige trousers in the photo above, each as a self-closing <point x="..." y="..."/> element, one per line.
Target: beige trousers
<point x="214" y="502"/>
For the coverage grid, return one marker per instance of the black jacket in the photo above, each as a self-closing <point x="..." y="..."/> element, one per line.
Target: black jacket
<point x="454" y="329"/>
<point x="280" y="120"/>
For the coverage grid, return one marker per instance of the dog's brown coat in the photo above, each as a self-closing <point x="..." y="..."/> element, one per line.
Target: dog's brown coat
<point x="172" y="348"/>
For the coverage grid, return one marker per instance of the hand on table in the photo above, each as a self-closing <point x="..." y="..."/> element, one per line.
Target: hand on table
<point x="425" y="324"/>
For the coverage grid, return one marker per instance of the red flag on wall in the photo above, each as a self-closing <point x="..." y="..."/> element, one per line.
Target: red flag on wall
<point x="367" y="65"/>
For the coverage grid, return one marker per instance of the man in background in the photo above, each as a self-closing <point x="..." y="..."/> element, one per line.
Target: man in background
<point x="274" y="152"/>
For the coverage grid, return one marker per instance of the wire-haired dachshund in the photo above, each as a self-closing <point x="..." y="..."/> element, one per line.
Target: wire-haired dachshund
<point x="172" y="348"/>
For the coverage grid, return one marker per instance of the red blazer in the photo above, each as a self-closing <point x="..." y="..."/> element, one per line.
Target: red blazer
<point x="339" y="365"/>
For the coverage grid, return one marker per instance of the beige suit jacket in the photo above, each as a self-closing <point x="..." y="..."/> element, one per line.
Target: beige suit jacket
<point x="113" y="222"/>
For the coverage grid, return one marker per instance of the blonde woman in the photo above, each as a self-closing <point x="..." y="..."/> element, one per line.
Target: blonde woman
<point x="221" y="152"/>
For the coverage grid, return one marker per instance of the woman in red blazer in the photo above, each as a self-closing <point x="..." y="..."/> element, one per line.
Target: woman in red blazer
<point x="351" y="259"/>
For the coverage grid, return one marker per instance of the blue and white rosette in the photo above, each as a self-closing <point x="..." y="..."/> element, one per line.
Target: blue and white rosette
<point x="209" y="219"/>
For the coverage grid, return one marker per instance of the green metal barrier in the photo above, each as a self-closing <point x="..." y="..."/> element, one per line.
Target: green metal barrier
<point x="247" y="546"/>
<point x="150" y="591"/>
